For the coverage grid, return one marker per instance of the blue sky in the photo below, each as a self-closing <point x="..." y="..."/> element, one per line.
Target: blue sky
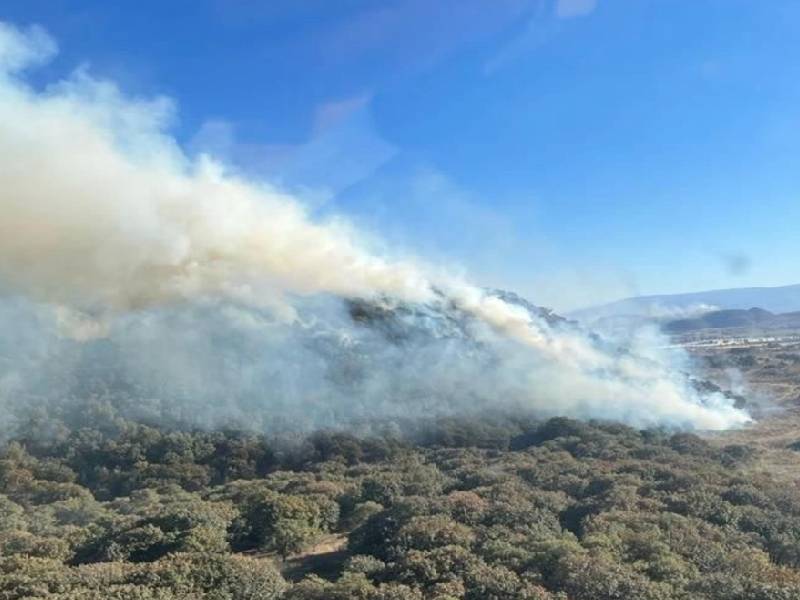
<point x="574" y="150"/>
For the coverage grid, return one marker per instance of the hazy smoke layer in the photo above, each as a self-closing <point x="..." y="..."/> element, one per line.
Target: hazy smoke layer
<point x="190" y="278"/>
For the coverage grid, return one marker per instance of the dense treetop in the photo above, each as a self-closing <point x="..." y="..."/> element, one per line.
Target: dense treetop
<point x="497" y="508"/>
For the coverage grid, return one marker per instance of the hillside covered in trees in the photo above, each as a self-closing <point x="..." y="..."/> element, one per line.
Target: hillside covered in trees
<point x="496" y="509"/>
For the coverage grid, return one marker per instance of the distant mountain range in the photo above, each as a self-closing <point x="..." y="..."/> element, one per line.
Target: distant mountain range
<point x="671" y="307"/>
<point x="750" y="319"/>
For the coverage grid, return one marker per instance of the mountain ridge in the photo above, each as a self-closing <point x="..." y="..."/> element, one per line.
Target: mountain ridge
<point x="779" y="299"/>
<point x="752" y="318"/>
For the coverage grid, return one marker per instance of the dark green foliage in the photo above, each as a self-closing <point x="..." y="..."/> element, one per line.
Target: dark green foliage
<point x="559" y="510"/>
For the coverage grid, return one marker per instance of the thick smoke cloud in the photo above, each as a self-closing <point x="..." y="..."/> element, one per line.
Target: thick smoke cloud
<point x="118" y="252"/>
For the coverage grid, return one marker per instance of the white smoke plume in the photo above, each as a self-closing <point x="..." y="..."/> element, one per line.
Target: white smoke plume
<point x="104" y="219"/>
<point x="666" y="312"/>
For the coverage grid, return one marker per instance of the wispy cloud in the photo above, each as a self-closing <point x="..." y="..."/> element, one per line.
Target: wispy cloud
<point x="541" y="25"/>
<point x="569" y="9"/>
<point x="343" y="148"/>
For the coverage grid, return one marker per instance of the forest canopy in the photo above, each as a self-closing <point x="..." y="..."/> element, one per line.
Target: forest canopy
<point x="498" y="508"/>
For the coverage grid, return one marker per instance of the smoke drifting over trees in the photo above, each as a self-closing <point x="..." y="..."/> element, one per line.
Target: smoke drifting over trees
<point x="125" y="262"/>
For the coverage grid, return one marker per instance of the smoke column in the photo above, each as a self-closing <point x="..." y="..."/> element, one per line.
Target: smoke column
<point x="103" y="217"/>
